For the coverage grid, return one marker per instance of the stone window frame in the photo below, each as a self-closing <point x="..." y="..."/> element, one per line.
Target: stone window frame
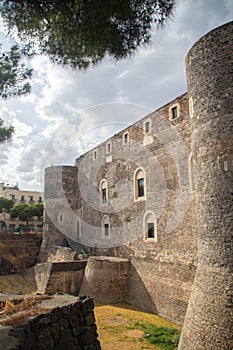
<point x="103" y="200"/>
<point x="136" y="189"/>
<point x="106" y="221"/>
<point x="149" y="218"/>
<point x="191" y="107"/>
<point x="171" y="108"/>
<point x="147" y="131"/>
<point x="125" y="137"/>
<point x="191" y="173"/>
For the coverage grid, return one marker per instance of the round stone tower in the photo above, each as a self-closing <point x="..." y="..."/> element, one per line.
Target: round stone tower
<point x="60" y="197"/>
<point x="209" y="65"/>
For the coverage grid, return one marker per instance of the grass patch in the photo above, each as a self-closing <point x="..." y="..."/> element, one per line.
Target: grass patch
<point x="123" y="327"/>
<point x="164" y="337"/>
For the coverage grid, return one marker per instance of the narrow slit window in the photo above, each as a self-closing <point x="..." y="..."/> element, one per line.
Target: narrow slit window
<point x="106" y="230"/>
<point x="147" y="126"/>
<point x="126" y="138"/>
<point x="141" y="190"/>
<point x="174" y="112"/>
<point x="104" y="195"/>
<point x="108" y="147"/>
<point x="150" y="230"/>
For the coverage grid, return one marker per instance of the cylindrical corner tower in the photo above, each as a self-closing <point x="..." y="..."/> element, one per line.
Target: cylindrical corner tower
<point x="209" y="64"/>
<point x="60" y="189"/>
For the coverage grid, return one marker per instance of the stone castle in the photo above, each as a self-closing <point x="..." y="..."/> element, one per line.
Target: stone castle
<point x="156" y="201"/>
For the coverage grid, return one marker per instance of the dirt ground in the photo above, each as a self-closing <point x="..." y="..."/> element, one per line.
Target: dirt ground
<point x="116" y="327"/>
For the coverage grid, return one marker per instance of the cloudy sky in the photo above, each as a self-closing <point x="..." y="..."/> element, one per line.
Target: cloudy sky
<point x="69" y="112"/>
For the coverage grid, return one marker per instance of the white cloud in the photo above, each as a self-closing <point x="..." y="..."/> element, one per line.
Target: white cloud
<point x="21" y="129"/>
<point x="155" y="75"/>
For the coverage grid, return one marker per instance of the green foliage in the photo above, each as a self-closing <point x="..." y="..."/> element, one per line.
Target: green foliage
<point x="25" y="212"/>
<point x="13" y="74"/>
<point x="164" y="337"/>
<point x="80" y="33"/>
<point x="6" y="133"/>
<point x="2" y="224"/>
<point x="5" y="204"/>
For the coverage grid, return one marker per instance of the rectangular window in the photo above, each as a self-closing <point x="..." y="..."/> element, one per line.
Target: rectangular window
<point x="22" y="199"/>
<point x="126" y="138"/>
<point x="150" y="230"/>
<point x="140" y="187"/>
<point x="106" y="230"/>
<point x="40" y="200"/>
<point x="108" y="147"/>
<point x="174" y="112"/>
<point x="147" y="126"/>
<point x="104" y="195"/>
<point x="95" y="155"/>
<point x="60" y="217"/>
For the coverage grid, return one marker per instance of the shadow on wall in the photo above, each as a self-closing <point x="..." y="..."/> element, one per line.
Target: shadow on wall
<point x="138" y="291"/>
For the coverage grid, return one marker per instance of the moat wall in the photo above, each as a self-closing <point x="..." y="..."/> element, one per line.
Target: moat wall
<point x="68" y="323"/>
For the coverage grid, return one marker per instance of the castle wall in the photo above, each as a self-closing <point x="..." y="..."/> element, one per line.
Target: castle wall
<point x="208" y="323"/>
<point x="60" y="198"/>
<point x="162" y="269"/>
<point x="159" y="265"/>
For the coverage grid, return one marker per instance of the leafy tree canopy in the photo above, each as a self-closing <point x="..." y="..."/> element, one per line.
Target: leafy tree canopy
<point x="5" y="204"/>
<point x="79" y="33"/>
<point x="13" y="74"/>
<point x="5" y="132"/>
<point x="25" y="212"/>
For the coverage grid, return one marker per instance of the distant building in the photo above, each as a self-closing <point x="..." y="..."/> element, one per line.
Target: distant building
<point x="20" y="197"/>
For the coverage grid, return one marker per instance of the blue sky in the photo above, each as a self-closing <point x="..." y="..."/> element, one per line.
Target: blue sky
<point x="103" y="99"/>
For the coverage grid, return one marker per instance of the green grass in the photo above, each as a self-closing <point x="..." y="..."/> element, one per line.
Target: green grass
<point x="164" y="337"/>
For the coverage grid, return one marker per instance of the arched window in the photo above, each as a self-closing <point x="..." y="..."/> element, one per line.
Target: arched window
<point x="106" y="226"/>
<point x="139" y="184"/>
<point x="103" y="191"/>
<point x="149" y="226"/>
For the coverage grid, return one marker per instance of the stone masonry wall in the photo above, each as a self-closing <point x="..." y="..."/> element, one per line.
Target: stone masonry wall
<point x="106" y="279"/>
<point x="63" y="277"/>
<point x="208" y="323"/>
<point x="161" y="270"/>
<point x="68" y="323"/>
<point x="159" y="266"/>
